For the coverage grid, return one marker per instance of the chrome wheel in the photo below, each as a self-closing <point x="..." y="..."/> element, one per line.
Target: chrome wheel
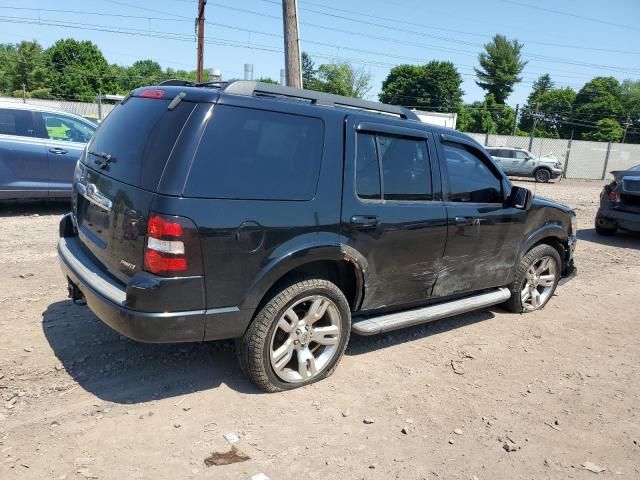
<point x="539" y="283"/>
<point x="305" y="339"/>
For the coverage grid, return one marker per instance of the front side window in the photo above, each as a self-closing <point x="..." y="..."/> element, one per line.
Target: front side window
<point x="16" y="122"/>
<point x="406" y="168"/>
<point x="470" y="179"/>
<point x="521" y="155"/>
<point x="61" y="127"/>
<point x="257" y="155"/>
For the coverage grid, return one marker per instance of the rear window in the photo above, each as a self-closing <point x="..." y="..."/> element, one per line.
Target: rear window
<point x="139" y="136"/>
<point x="16" y="122"/>
<point x="255" y="154"/>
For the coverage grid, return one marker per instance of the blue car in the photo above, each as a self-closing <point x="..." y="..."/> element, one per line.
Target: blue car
<point x="39" y="148"/>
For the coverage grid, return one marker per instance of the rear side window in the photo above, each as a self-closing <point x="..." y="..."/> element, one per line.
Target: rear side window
<point x="16" y="122"/>
<point x="406" y="168"/>
<point x="257" y="155"/>
<point x="139" y="135"/>
<point x="470" y="179"/>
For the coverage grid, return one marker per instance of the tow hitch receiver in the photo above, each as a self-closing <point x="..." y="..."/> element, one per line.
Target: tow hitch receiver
<point x="75" y="294"/>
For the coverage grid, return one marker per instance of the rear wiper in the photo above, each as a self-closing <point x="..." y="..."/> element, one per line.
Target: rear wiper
<point x="108" y="158"/>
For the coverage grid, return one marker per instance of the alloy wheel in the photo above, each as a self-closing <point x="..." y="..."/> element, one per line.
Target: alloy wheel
<point x="539" y="283"/>
<point x="305" y="339"/>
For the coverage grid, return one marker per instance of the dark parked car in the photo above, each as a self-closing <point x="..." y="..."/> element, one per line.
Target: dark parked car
<point x="288" y="219"/>
<point x="39" y="148"/>
<point x="620" y="203"/>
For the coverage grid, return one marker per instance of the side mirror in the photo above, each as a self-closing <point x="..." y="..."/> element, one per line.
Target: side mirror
<point x="520" y="198"/>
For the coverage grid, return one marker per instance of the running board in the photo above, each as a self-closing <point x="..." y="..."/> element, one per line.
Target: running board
<point x="408" y="318"/>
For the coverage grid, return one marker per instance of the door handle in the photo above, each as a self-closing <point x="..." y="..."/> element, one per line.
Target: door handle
<point x="467" y="221"/>
<point x="58" y="151"/>
<point x="364" y="221"/>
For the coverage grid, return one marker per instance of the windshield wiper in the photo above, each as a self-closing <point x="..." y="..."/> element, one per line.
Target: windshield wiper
<point x="108" y="158"/>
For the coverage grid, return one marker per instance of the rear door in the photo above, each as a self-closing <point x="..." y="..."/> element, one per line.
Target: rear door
<point x="507" y="161"/>
<point x="484" y="235"/>
<point x="120" y="173"/>
<point x="392" y="210"/>
<point x="66" y="139"/>
<point x="23" y="156"/>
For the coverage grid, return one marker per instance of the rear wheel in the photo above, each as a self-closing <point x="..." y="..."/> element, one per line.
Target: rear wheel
<point x="542" y="175"/>
<point x="536" y="279"/>
<point x="297" y="338"/>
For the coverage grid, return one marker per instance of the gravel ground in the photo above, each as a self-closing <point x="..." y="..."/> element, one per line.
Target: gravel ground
<point x="557" y="388"/>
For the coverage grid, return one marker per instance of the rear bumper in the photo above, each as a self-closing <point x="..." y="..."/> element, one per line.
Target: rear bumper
<point x="107" y="298"/>
<point x="621" y="219"/>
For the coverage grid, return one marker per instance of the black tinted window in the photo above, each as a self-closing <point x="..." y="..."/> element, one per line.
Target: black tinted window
<point x="406" y="172"/>
<point x="16" y="122"/>
<point x="470" y="180"/>
<point x="367" y="167"/>
<point x="139" y="135"/>
<point x="255" y="154"/>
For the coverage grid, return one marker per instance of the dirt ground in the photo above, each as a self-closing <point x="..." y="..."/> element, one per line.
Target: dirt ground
<point x="559" y="387"/>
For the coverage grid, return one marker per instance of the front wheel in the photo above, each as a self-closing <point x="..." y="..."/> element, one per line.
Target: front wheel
<point x="536" y="279"/>
<point x="542" y="175"/>
<point x="297" y="337"/>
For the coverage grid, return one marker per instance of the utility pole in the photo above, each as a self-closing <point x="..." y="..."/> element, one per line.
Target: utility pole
<point x="292" y="58"/>
<point x="515" y="120"/>
<point x="626" y="126"/>
<point x="24" y="93"/>
<point x="200" y="29"/>
<point x="536" y="115"/>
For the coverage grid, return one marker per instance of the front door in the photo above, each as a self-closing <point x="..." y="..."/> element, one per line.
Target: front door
<point x="392" y="212"/>
<point x="521" y="162"/>
<point x="67" y="138"/>
<point x="483" y="234"/>
<point x="23" y="156"/>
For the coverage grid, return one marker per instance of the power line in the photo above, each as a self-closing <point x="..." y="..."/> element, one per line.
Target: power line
<point x="568" y="14"/>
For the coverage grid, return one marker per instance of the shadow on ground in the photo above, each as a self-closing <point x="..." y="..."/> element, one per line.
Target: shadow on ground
<point x="361" y="345"/>
<point x="620" y="239"/>
<point x="15" y="208"/>
<point x="120" y="370"/>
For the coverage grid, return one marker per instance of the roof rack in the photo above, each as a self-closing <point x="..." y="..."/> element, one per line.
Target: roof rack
<point x="174" y="82"/>
<point x="250" y="87"/>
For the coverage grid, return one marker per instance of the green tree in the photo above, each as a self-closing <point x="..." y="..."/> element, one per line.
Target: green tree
<point x="344" y="79"/>
<point x="435" y="85"/>
<point x="30" y="69"/>
<point x="631" y="109"/>
<point x="607" y="130"/>
<point x="309" y="80"/>
<point x="500" y="67"/>
<point x="267" y="80"/>
<point x="7" y="64"/>
<point x="79" y="70"/>
<point x="144" y="72"/>
<point x="599" y="98"/>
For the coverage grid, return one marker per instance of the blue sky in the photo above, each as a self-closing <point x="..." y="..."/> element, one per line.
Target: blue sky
<point x="249" y="31"/>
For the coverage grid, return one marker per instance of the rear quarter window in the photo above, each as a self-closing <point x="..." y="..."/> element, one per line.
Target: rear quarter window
<point x="257" y="155"/>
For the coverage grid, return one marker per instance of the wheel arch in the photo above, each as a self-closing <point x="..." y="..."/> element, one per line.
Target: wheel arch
<point x="339" y="264"/>
<point x="552" y="234"/>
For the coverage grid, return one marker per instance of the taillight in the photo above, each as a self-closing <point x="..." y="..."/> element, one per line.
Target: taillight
<point x="172" y="246"/>
<point x="152" y="93"/>
<point x="614" y="196"/>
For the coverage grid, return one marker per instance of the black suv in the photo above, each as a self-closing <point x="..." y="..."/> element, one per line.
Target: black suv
<point x="287" y="219"/>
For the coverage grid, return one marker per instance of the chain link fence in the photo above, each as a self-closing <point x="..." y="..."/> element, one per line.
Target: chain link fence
<point x="580" y="159"/>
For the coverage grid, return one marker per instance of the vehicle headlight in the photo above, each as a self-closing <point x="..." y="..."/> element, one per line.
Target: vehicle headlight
<point x="574" y="224"/>
<point x="558" y="165"/>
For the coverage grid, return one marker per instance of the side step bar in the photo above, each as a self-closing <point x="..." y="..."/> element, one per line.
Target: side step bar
<point x="408" y="318"/>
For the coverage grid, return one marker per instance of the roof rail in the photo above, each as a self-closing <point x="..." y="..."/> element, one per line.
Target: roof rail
<point x="250" y="87"/>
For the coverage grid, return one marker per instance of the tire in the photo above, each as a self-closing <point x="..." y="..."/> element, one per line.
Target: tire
<point x="519" y="301"/>
<point x="542" y="175"/>
<point x="606" y="231"/>
<point x="290" y="336"/>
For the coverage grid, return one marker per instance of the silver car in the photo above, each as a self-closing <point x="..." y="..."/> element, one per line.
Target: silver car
<point x="521" y="163"/>
<point x="39" y="148"/>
